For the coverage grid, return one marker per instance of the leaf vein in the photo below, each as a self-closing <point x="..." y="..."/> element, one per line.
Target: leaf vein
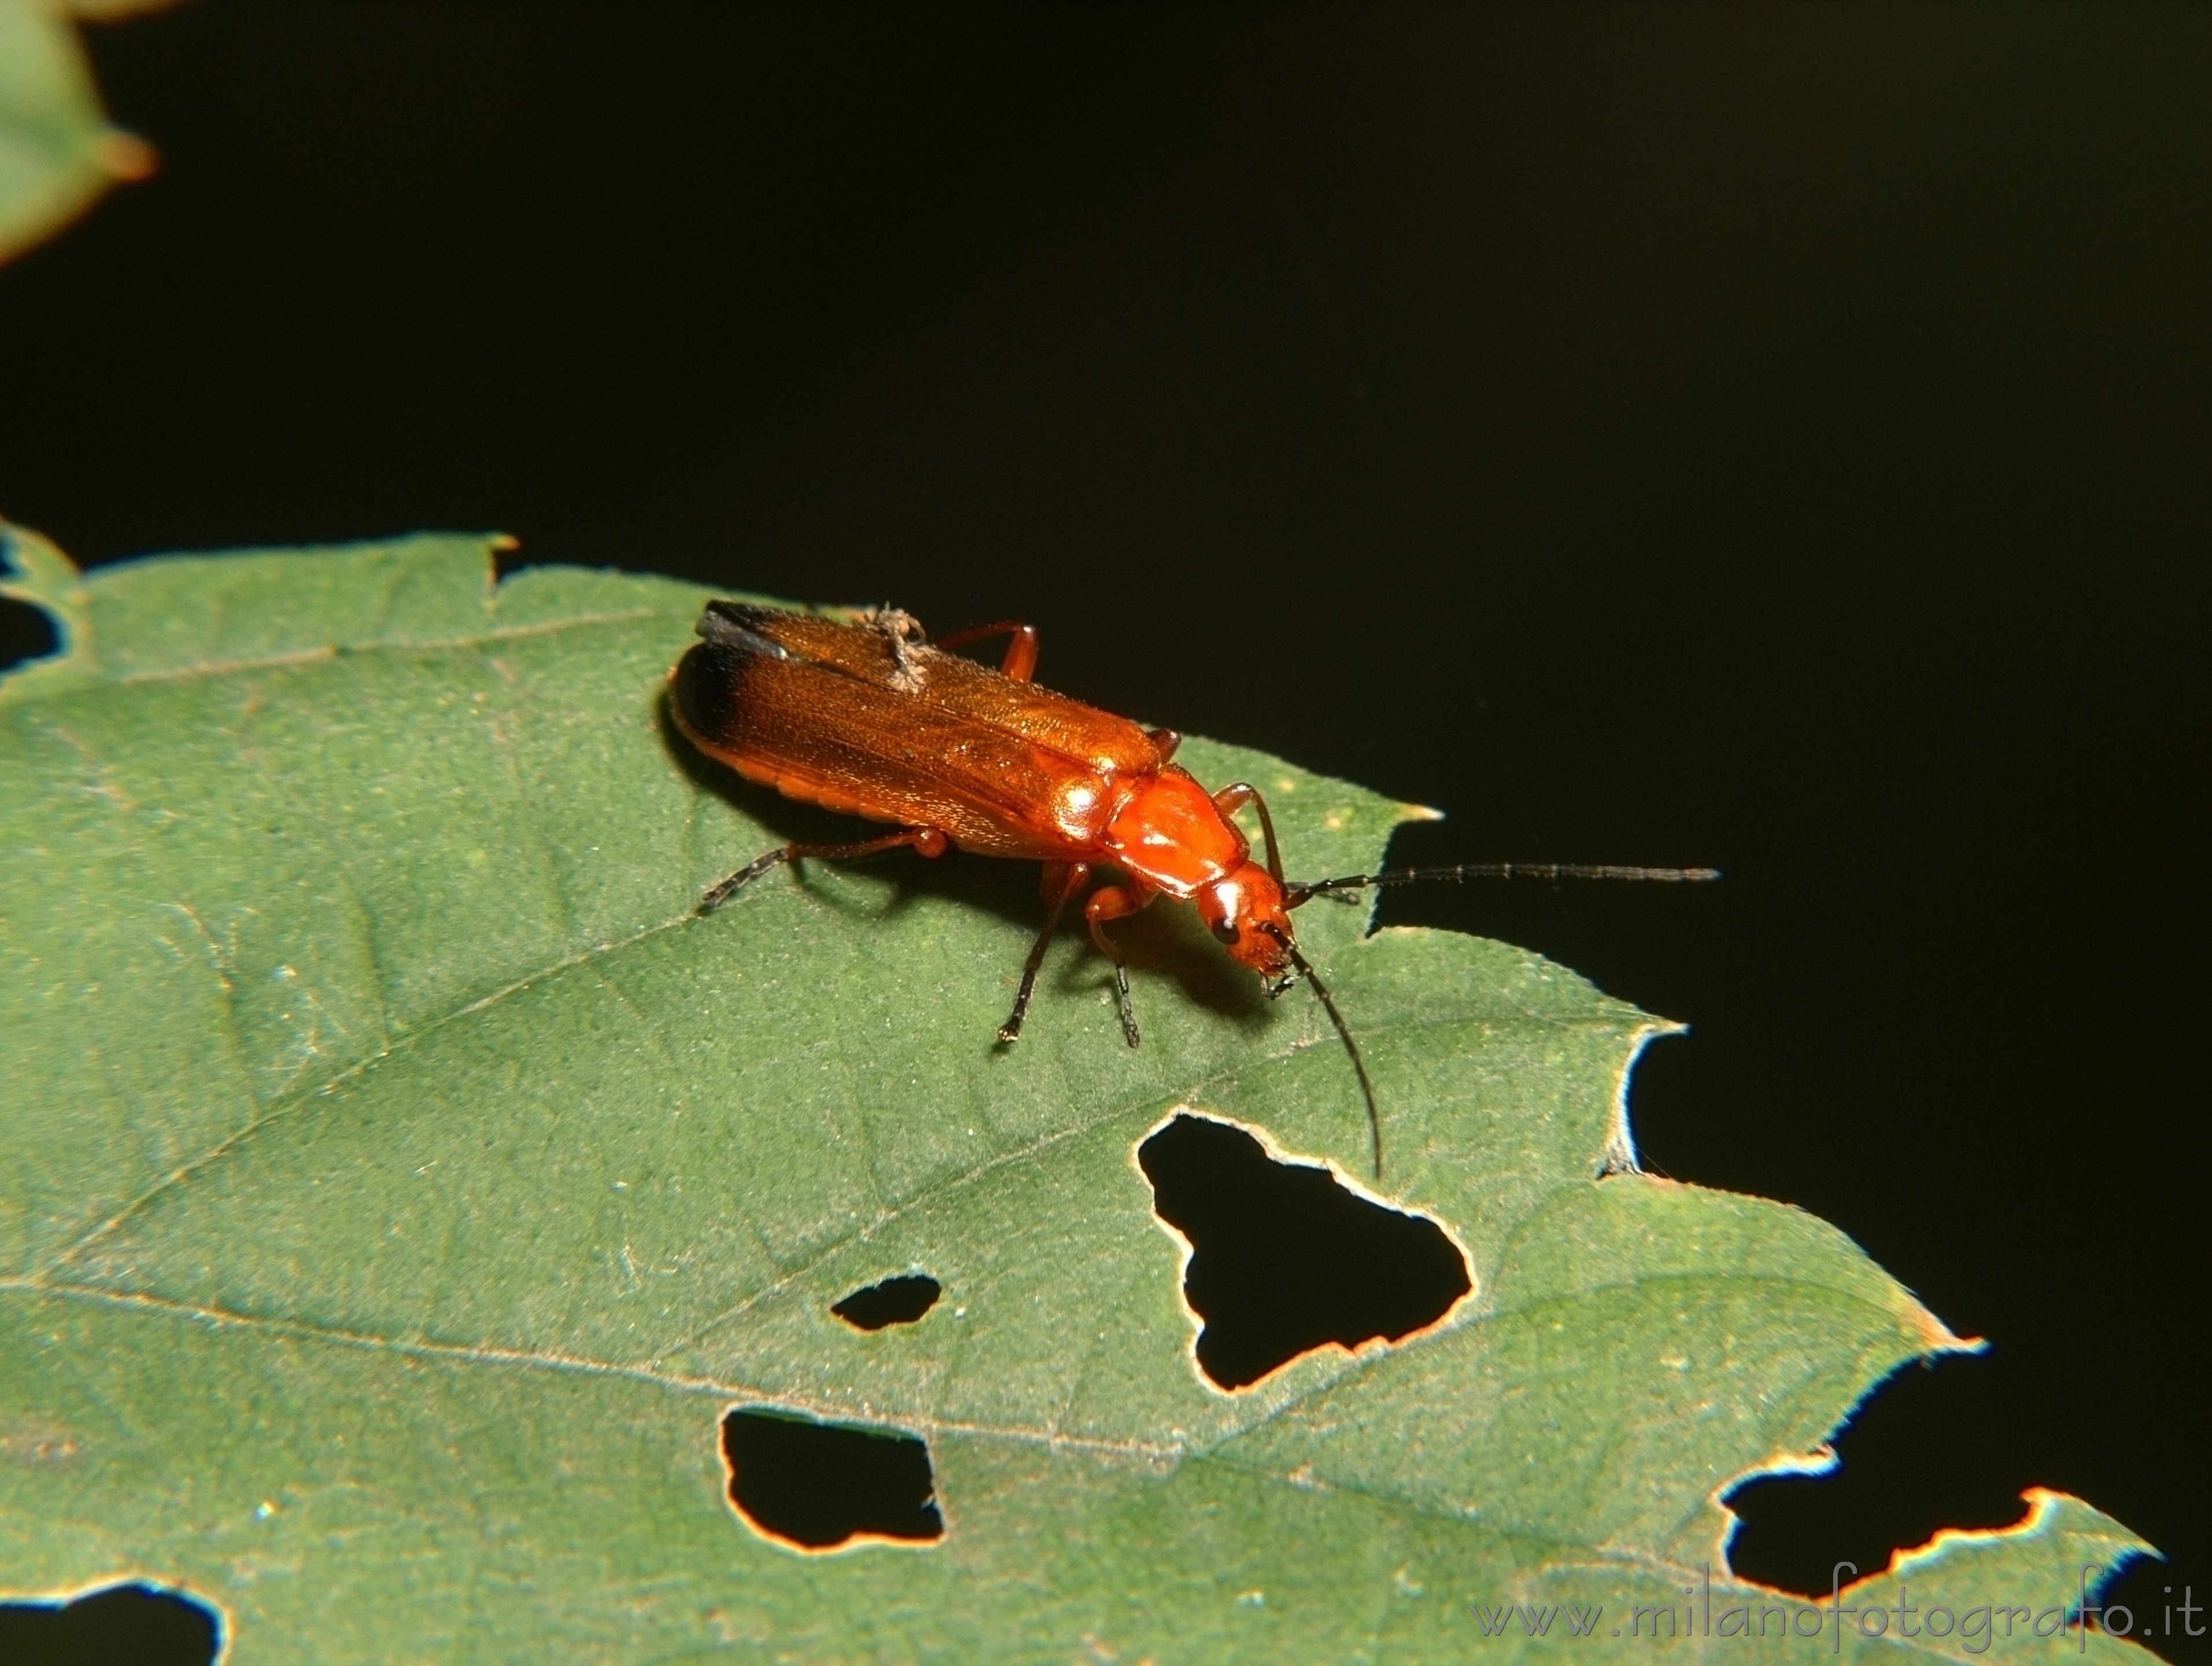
<point x="333" y="651"/>
<point x="581" y="1364"/>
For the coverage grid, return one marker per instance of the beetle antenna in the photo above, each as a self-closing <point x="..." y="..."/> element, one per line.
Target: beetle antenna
<point x="1296" y="894"/>
<point x="1344" y="1033"/>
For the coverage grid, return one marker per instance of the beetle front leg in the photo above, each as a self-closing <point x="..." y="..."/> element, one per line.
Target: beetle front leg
<point x="927" y="839"/>
<point x="1234" y="797"/>
<point x="1116" y="902"/>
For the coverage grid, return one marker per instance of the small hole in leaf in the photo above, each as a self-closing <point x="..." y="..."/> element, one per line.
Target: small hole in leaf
<point x="26" y="633"/>
<point x="1284" y="1259"/>
<point x="132" y="1622"/>
<point x="898" y="1301"/>
<point x="818" y="1485"/>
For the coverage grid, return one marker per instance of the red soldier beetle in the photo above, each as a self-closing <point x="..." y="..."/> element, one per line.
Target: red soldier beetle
<point x="868" y="718"/>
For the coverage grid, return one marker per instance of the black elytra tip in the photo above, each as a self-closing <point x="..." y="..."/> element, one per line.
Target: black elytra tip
<point x="708" y="681"/>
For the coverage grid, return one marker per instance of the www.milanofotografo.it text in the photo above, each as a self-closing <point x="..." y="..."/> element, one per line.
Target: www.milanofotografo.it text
<point x="1974" y="1629"/>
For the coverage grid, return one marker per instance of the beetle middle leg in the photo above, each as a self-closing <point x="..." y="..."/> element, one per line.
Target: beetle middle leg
<point x="1116" y="902"/>
<point x="1061" y="881"/>
<point x="1020" y="663"/>
<point x="928" y="841"/>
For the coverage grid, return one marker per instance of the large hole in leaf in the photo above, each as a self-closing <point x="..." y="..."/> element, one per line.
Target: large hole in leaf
<point x="1936" y="1445"/>
<point x="1904" y="1467"/>
<point x="132" y="1622"/>
<point x="898" y="1301"/>
<point x="1284" y="1259"/>
<point x="26" y="633"/>
<point x="821" y="1484"/>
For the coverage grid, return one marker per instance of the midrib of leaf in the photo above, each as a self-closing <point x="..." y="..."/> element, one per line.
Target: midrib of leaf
<point x="527" y="1359"/>
<point x="295" y="1100"/>
<point x="292" y="1099"/>
<point x="1136" y="1106"/>
<point x="1545" y="1547"/>
<point x="403" y="645"/>
<point x="1220" y="1451"/>
<point x="1346" y="1366"/>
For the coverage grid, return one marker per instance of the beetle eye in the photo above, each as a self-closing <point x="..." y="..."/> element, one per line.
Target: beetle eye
<point x="1226" y="931"/>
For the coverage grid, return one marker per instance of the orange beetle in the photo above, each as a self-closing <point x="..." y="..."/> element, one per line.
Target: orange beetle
<point x="867" y="717"/>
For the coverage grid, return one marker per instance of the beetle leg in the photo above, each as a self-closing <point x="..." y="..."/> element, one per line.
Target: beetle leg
<point x="1061" y="881"/>
<point x="927" y="839"/>
<point x="1234" y="797"/>
<point x="1166" y="740"/>
<point x="1115" y="902"/>
<point x="1020" y="663"/>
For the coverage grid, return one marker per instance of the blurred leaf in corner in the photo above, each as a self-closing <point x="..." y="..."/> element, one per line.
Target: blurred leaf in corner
<point x="58" y="151"/>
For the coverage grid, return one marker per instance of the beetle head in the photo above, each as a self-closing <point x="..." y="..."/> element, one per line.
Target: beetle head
<point x="1244" y="910"/>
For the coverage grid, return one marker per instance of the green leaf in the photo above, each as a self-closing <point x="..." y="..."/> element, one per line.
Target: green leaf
<point x="402" y="1183"/>
<point x="58" y="152"/>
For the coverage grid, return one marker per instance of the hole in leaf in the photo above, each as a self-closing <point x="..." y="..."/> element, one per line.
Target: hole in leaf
<point x="26" y="633"/>
<point x="818" y="1485"/>
<point x="1916" y="1457"/>
<point x="1284" y="1259"/>
<point x="133" y="1622"/>
<point x="898" y="1301"/>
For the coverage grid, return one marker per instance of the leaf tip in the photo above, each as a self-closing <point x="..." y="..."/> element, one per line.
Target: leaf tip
<point x="125" y="157"/>
<point x="1934" y="1336"/>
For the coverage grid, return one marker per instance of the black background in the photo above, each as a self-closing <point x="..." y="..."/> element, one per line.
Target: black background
<point x="1769" y="436"/>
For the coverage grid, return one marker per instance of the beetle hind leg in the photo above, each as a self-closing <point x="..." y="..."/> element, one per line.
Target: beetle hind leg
<point x="927" y="839"/>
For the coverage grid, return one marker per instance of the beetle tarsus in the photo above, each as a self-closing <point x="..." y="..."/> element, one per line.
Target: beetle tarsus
<point x="716" y="894"/>
<point x="1128" y="1007"/>
<point x="1011" y="1031"/>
